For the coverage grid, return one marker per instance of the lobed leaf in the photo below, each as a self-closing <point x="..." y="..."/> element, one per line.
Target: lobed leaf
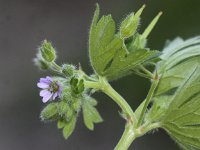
<point x="90" y="113"/>
<point x="110" y="54"/>
<point x="123" y="64"/>
<point x="176" y="103"/>
<point x="102" y="41"/>
<point x="178" y="59"/>
<point x="69" y="127"/>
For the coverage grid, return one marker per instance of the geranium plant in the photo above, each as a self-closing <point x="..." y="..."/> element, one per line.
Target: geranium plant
<point x="173" y="100"/>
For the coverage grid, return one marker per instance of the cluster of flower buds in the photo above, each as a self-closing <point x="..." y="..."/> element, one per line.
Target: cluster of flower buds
<point x="64" y="95"/>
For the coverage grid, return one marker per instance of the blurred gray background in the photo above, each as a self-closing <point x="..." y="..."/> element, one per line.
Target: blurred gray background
<point x="25" y="23"/>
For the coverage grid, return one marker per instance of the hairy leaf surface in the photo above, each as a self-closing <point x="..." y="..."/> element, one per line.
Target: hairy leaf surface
<point x="110" y="54"/>
<point x="90" y="113"/>
<point x="176" y="103"/>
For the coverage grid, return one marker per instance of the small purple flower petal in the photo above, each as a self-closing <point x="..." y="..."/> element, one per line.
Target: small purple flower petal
<point x="43" y="92"/>
<point x="42" y="85"/>
<point x="49" y="78"/>
<point x="59" y="90"/>
<point x="44" y="80"/>
<point x="47" y="97"/>
<point x="55" y="95"/>
<point x="50" y="89"/>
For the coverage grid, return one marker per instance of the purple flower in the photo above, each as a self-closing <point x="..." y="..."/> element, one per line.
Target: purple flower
<point x="50" y="89"/>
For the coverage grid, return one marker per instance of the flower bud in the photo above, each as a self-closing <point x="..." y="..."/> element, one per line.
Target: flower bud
<point x="62" y="108"/>
<point x="130" y="24"/>
<point x="49" y="113"/>
<point x="68" y="70"/>
<point x="47" y="51"/>
<point x="40" y="62"/>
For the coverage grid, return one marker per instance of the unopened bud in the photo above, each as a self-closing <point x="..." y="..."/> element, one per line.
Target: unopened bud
<point x="68" y="70"/>
<point x="130" y="24"/>
<point x="47" y="51"/>
<point x="49" y="113"/>
<point x="41" y="64"/>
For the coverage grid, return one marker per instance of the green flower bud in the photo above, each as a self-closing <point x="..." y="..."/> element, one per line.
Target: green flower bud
<point x="41" y="64"/>
<point x="77" y="86"/>
<point x="62" y="108"/>
<point x="49" y="113"/>
<point x="47" y="51"/>
<point x="68" y="70"/>
<point x="129" y="25"/>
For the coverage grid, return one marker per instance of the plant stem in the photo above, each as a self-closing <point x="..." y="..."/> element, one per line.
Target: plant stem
<point x="104" y="86"/>
<point x="129" y="134"/>
<point x="127" y="138"/>
<point x="57" y="67"/>
<point x="131" y="131"/>
<point x="107" y="89"/>
<point x="147" y="127"/>
<point x="147" y="72"/>
<point x="148" y="99"/>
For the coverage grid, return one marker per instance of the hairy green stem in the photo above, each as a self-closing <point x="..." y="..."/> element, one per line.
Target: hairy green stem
<point x="107" y="89"/>
<point x="104" y="86"/>
<point x="127" y="138"/>
<point x="147" y="72"/>
<point x="147" y="127"/>
<point x="130" y="134"/>
<point x="148" y="99"/>
<point x="57" y="67"/>
<point x="131" y="131"/>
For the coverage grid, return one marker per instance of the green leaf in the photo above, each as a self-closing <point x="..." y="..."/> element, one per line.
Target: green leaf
<point x="77" y="105"/>
<point x="110" y="54"/>
<point x="69" y="127"/>
<point x="101" y="41"/>
<point x="176" y="103"/>
<point x="90" y="113"/>
<point x="178" y="59"/>
<point x="69" y="114"/>
<point x="61" y="124"/>
<point x="105" y="58"/>
<point x="182" y="118"/>
<point x="179" y="51"/>
<point x="124" y="64"/>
